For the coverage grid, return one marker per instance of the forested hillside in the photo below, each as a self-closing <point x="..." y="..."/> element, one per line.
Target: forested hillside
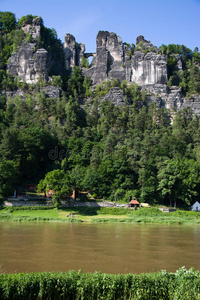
<point x="79" y="139"/>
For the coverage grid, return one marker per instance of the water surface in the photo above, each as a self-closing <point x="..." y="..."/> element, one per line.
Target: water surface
<point x="110" y="248"/>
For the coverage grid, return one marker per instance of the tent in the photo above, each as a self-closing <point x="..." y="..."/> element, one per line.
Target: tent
<point x="196" y="206"/>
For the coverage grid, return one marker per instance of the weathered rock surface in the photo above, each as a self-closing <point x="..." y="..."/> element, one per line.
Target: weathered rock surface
<point x="148" y="69"/>
<point x="18" y="93"/>
<point x="163" y="96"/>
<point x="73" y="52"/>
<point x="33" y="28"/>
<point x="145" y="67"/>
<point x="109" y="59"/>
<point x="70" y="51"/>
<point x="193" y="102"/>
<point x="112" y="62"/>
<point x="29" y="65"/>
<point x="115" y="96"/>
<point x="49" y="91"/>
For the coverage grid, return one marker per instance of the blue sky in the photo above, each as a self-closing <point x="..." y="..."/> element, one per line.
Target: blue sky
<point x="160" y="21"/>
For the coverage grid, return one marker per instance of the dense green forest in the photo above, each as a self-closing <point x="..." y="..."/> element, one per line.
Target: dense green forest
<point x="113" y="152"/>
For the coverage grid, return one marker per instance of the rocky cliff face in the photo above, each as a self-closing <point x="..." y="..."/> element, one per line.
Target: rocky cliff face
<point x="73" y="52"/>
<point x="49" y="91"/>
<point x="111" y="60"/>
<point x="115" y="96"/>
<point x="33" y="28"/>
<point x="27" y="63"/>
<point x="148" y="69"/>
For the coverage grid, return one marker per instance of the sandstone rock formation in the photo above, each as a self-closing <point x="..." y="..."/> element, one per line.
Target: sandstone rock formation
<point x="33" y="28"/>
<point x="109" y="59"/>
<point x="73" y="52"/>
<point x="28" y="64"/>
<point x="115" y="96"/>
<point x="145" y="66"/>
<point x="148" y="69"/>
<point x="49" y="91"/>
<point x="70" y="51"/>
<point x="112" y="62"/>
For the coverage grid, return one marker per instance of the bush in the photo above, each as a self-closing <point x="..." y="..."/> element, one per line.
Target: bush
<point x="84" y="63"/>
<point x="15" y="208"/>
<point x="56" y="201"/>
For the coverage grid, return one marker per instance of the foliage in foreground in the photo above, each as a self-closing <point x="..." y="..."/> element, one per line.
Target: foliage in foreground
<point x="184" y="284"/>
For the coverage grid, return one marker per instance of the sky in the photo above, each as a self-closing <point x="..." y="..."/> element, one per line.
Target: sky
<point x="159" y="21"/>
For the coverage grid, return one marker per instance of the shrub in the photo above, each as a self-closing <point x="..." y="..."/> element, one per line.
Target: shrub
<point x="84" y="63"/>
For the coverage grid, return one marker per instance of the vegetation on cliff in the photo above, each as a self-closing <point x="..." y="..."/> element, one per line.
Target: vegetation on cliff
<point x="114" y="152"/>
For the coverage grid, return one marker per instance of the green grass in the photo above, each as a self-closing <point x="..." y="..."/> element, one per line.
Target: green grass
<point x="33" y="214"/>
<point x="98" y="215"/>
<point x="183" y="284"/>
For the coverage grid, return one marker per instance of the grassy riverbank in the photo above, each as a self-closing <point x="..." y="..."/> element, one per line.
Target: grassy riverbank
<point x="184" y="284"/>
<point x="98" y="215"/>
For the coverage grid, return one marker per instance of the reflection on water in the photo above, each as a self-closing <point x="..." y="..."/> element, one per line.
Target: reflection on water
<point x="110" y="248"/>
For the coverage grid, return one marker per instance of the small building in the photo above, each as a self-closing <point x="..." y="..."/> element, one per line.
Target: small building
<point x="50" y="194"/>
<point x="196" y="206"/>
<point x="134" y="203"/>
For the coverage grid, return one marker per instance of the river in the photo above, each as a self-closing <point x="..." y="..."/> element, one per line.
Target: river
<point x="110" y="248"/>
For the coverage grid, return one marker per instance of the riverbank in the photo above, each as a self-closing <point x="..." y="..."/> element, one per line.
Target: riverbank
<point x="98" y="215"/>
<point x="183" y="284"/>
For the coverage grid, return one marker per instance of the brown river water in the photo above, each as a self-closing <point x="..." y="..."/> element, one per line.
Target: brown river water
<point x="110" y="248"/>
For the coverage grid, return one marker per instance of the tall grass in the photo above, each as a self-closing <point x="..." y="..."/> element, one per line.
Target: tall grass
<point x="184" y="284"/>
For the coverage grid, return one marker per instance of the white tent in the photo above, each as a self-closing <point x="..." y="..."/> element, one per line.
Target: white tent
<point x="196" y="206"/>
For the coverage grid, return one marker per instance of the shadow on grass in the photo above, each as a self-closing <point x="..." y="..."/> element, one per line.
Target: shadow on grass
<point x="83" y="211"/>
